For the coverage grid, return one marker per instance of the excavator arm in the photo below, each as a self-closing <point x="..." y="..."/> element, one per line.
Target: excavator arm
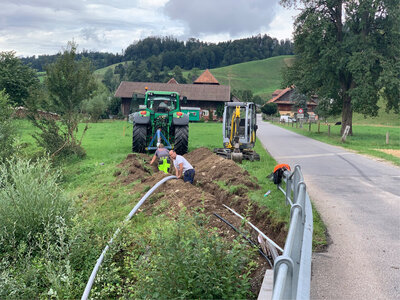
<point x="234" y="126"/>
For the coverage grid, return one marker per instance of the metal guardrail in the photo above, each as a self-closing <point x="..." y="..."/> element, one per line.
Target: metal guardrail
<point x="292" y="270"/>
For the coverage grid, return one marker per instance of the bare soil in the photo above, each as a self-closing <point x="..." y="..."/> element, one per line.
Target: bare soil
<point x="217" y="181"/>
<point x="394" y="152"/>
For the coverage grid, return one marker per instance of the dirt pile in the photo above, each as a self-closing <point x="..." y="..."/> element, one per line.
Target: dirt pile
<point x="217" y="181"/>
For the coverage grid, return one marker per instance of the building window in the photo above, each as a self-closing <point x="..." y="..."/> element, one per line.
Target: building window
<point x="205" y="113"/>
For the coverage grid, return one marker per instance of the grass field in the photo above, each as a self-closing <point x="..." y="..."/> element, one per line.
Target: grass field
<point x="383" y="118"/>
<point x="262" y="77"/>
<point x="101" y="203"/>
<point x="366" y="139"/>
<point x="108" y="143"/>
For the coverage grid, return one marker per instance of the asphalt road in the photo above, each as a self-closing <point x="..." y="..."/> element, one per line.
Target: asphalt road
<point x="359" y="201"/>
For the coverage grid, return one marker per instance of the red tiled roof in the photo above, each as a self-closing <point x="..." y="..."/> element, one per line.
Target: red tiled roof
<point x="206" y="78"/>
<point x="173" y="81"/>
<point x="276" y="93"/>
<point x="282" y="92"/>
<point x="200" y="92"/>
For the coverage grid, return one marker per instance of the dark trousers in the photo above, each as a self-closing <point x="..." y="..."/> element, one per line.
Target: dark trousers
<point x="189" y="176"/>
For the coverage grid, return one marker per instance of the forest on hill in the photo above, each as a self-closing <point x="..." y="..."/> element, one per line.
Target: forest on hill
<point x="167" y="52"/>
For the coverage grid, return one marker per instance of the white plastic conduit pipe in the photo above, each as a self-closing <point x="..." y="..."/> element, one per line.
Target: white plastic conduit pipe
<point x="128" y="217"/>
<point x="256" y="229"/>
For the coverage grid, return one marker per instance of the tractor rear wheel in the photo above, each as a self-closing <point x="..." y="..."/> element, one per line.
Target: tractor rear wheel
<point x="139" y="138"/>
<point x="181" y="139"/>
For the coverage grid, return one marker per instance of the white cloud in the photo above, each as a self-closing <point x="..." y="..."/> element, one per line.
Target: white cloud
<point x="33" y="27"/>
<point x="222" y="16"/>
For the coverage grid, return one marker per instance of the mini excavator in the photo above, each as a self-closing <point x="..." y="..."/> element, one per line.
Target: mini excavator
<point x="239" y="132"/>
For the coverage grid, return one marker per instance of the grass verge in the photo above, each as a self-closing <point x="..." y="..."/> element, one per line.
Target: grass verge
<point x="366" y="139"/>
<point x="210" y="135"/>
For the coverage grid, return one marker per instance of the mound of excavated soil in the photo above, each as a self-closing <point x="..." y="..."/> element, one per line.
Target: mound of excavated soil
<point x="217" y="181"/>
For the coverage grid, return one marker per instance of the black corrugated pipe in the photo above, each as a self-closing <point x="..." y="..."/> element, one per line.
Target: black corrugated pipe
<point x="247" y="239"/>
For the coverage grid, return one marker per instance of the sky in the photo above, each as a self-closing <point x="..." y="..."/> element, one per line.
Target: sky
<point x="35" y="27"/>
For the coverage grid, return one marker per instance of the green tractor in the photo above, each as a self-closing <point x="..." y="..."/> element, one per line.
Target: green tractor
<point x="160" y="120"/>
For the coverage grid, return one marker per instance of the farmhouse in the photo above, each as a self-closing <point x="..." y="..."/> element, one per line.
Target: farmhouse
<point x="285" y="102"/>
<point x="205" y="93"/>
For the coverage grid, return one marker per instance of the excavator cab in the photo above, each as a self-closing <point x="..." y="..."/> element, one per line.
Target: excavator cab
<point x="239" y="132"/>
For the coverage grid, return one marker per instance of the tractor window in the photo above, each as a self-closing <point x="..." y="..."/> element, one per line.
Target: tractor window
<point x="161" y="104"/>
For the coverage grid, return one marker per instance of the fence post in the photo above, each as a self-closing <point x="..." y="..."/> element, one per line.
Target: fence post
<point x="387" y="137"/>
<point x="309" y="125"/>
<point x="319" y="124"/>
<point x="329" y="130"/>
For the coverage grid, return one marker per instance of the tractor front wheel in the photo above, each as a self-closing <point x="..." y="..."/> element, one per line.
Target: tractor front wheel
<point x="181" y="139"/>
<point x="139" y="138"/>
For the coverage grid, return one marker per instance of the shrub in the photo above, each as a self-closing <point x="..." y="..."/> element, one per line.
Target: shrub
<point x="31" y="203"/>
<point x="96" y="107"/>
<point x="269" y="108"/>
<point x="54" y="141"/>
<point x="7" y="130"/>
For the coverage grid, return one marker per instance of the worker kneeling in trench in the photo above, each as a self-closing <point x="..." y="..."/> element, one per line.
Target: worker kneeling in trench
<point x="163" y="158"/>
<point x="182" y="167"/>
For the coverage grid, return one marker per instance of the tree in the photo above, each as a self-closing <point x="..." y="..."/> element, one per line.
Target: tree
<point x="244" y="95"/>
<point x="258" y="100"/>
<point x="17" y="79"/>
<point x="300" y="101"/>
<point x="177" y="71"/>
<point x="109" y="81"/>
<point x="97" y="105"/>
<point x="7" y="130"/>
<point x="193" y="75"/>
<point x="69" y="83"/>
<point x="269" y="108"/>
<point x="347" y="51"/>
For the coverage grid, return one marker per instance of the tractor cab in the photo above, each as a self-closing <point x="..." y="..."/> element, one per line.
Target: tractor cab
<point x="161" y="103"/>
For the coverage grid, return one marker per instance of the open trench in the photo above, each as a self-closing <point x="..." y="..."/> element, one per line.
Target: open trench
<point x="218" y="181"/>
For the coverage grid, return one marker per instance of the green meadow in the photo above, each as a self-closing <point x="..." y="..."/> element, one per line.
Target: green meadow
<point x="100" y="203"/>
<point x="262" y="77"/>
<point x="108" y="143"/>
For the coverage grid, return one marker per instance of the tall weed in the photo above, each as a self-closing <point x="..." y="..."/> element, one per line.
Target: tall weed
<point x="31" y="203"/>
<point x="178" y="260"/>
<point x="7" y="129"/>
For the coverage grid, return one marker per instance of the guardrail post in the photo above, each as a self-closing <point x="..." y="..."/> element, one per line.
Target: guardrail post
<point x="301" y="198"/>
<point x="292" y="270"/>
<point x="283" y="274"/>
<point x="288" y="190"/>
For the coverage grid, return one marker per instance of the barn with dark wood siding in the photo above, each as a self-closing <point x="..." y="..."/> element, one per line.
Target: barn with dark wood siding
<point x="283" y="98"/>
<point x="205" y="92"/>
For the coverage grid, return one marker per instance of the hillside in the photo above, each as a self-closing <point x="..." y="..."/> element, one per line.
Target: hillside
<point x="262" y="77"/>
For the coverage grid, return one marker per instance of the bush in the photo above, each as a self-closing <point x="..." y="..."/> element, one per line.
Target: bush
<point x="269" y="108"/>
<point x="7" y="130"/>
<point x="97" y="106"/>
<point x="54" y="141"/>
<point x="31" y="203"/>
